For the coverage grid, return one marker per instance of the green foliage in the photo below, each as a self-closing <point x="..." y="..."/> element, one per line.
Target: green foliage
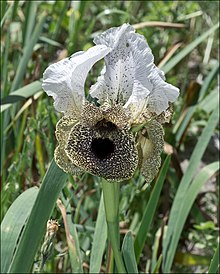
<point x="170" y="225"/>
<point x="12" y="225"/>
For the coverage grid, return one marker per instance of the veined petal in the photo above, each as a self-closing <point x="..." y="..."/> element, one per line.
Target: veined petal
<point x="65" y="80"/>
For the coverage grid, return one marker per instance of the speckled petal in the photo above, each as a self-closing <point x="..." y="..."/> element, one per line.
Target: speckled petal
<point x="126" y="66"/>
<point x="115" y="114"/>
<point x="130" y="76"/>
<point x="118" y="165"/>
<point x="64" y="162"/>
<point x="165" y="116"/>
<point x="91" y="114"/>
<point x="151" y="144"/>
<point x="63" y="128"/>
<point x="65" y="80"/>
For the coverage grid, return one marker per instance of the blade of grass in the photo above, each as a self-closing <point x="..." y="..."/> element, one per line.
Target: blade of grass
<point x="71" y="235"/>
<point x="60" y="19"/>
<point x="184" y="206"/>
<point x="158" y="24"/>
<point x="22" y="110"/>
<point x="30" y="15"/>
<point x="210" y="102"/>
<point x="15" y="10"/>
<point x="75" y="24"/>
<point x="21" y="94"/>
<point x="158" y="264"/>
<point x="7" y="13"/>
<point x="183" y="53"/>
<point x="128" y="253"/>
<point x="5" y="52"/>
<point x="214" y="265"/>
<point x="79" y="265"/>
<point x="12" y="225"/>
<point x="28" y="49"/>
<point x="150" y="210"/>
<point x="19" y="140"/>
<point x="183" y="122"/>
<point x="187" y="178"/>
<point x="155" y="249"/>
<point x="99" y="240"/>
<point x="53" y="182"/>
<point x="3" y="5"/>
<point x="50" y="41"/>
<point x="39" y="154"/>
<point x="208" y="80"/>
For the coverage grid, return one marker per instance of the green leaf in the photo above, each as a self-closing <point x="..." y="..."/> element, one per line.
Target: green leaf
<point x="21" y="69"/>
<point x="155" y="249"/>
<point x="206" y="225"/>
<point x="50" y="41"/>
<point x="188" y="259"/>
<point x="7" y="13"/>
<point x="13" y="223"/>
<point x="185" y="203"/>
<point x="21" y="94"/>
<point x="71" y="236"/>
<point x="31" y="12"/>
<point x="208" y="80"/>
<point x="53" y="182"/>
<point x="158" y="264"/>
<point x="128" y="253"/>
<point x="99" y="240"/>
<point x="184" y="184"/>
<point x="210" y="102"/>
<point x="74" y="250"/>
<point x="214" y="265"/>
<point x="204" y="104"/>
<point x="188" y="49"/>
<point x="150" y="210"/>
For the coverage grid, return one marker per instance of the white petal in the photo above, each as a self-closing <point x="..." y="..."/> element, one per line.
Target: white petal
<point x="65" y="80"/>
<point x="127" y="66"/>
<point x="130" y="76"/>
<point x="161" y="94"/>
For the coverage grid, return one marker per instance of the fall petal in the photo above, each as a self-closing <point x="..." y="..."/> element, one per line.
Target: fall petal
<point x="63" y="128"/>
<point x="151" y="148"/>
<point x="65" y="80"/>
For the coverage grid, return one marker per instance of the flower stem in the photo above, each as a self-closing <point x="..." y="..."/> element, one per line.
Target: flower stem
<point x="110" y="259"/>
<point x="111" y="201"/>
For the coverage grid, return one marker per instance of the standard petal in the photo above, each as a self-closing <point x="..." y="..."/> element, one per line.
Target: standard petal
<point x="161" y="94"/>
<point x="130" y="76"/>
<point x="65" y="80"/>
<point x="126" y="67"/>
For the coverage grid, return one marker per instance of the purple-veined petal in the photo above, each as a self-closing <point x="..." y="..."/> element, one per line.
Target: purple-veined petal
<point x="65" y="80"/>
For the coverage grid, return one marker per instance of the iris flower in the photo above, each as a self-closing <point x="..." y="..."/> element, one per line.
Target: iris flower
<point x="117" y="128"/>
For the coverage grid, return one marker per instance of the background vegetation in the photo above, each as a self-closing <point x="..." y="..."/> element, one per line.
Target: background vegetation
<point x="175" y="218"/>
